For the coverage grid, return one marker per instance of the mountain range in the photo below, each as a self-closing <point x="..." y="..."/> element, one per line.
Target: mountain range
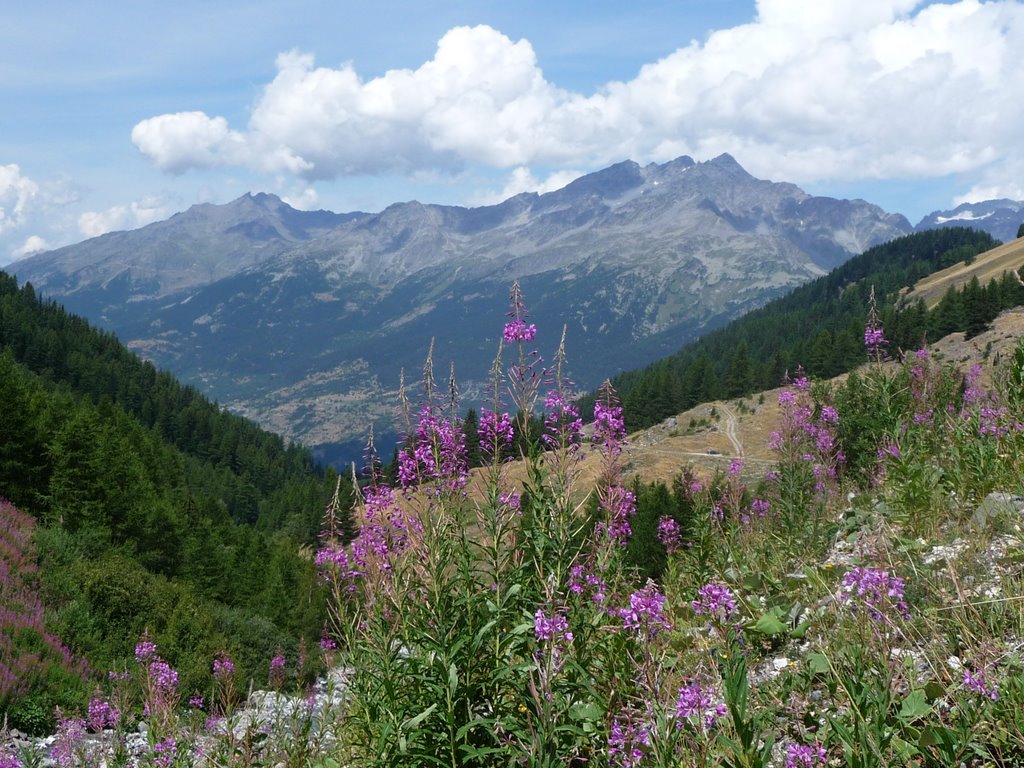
<point x="1000" y="218"/>
<point x="303" y="320"/>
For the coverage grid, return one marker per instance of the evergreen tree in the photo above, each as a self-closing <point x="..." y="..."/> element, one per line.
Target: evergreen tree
<point x="471" y="430"/>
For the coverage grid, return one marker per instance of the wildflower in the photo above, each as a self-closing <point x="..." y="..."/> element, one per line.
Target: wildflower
<point x="670" y="534"/>
<point x="698" y="707"/>
<point x="628" y="739"/>
<point x="889" y="450"/>
<point x="620" y="505"/>
<point x="164" y="677"/>
<point x="609" y="425"/>
<point x="327" y="644"/>
<point x="511" y="500"/>
<point x="546" y="629"/>
<point x="582" y="581"/>
<point x="977" y="683"/>
<point x="495" y="432"/>
<point x="760" y="507"/>
<point x="102" y="715"/>
<point x="9" y="761"/>
<point x="518" y="330"/>
<point x="715" y="600"/>
<point x="562" y="422"/>
<point x="805" y="756"/>
<point x="145" y="652"/>
<point x="223" y="667"/>
<point x="196" y="701"/>
<point x="735" y="466"/>
<point x="68" y="743"/>
<point x="874" y="337"/>
<point x="876" y="590"/>
<point x="553" y="632"/>
<point x="164" y="752"/>
<point x="645" y="616"/>
<point x="277" y="665"/>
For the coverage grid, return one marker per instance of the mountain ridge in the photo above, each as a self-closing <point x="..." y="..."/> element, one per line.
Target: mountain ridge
<point x="636" y="260"/>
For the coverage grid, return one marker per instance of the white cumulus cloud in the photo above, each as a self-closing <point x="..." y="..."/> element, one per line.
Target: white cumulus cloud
<point x="17" y="194"/>
<point x="138" y="213"/>
<point x="32" y="244"/>
<point x="807" y="91"/>
<point x="523" y="180"/>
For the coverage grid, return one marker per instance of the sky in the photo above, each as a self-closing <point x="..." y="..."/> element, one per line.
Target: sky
<point x="118" y="114"/>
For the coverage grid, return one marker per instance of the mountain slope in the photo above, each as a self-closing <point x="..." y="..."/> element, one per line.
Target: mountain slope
<point x="156" y="510"/>
<point x="820" y="326"/>
<point x="635" y="260"/>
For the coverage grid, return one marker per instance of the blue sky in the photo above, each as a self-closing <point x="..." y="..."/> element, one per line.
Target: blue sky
<point x="113" y="118"/>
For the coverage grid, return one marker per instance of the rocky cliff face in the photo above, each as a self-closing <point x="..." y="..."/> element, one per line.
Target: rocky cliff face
<point x="303" y="320"/>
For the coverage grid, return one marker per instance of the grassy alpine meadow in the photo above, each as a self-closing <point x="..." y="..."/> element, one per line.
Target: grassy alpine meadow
<point x="862" y="604"/>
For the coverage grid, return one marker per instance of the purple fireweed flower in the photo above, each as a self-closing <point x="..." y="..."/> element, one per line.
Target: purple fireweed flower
<point x="438" y="453"/>
<point x="165" y="752"/>
<point x="164" y="677"/>
<point x="511" y="500"/>
<point x="223" y="667"/>
<point x="583" y="582"/>
<point x="327" y="644"/>
<point x="644" y="616"/>
<point x="553" y="633"/>
<point x="145" y="652"/>
<point x="977" y="683"/>
<point x="670" y="534"/>
<point x="517" y="330"/>
<point x="547" y="628"/>
<point x="67" y="746"/>
<point x="562" y="423"/>
<point x="9" y="761"/>
<point x="619" y="506"/>
<point x="277" y="665"/>
<point x="628" y="740"/>
<point x="715" y="600"/>
<point x="805" y="756"/>
<point x="874" y="338"/>
<point x="196" y="701"/>
<point x="889" y="450"/>
<point x="874" y="589"/>
<point x="698" y="707"/>
<point x="102" y="715"/>
<point x="609" y="426"/>
<point x="495" y="432"/>
<point x="735" y="466"/>
<point x="760" y="507"/>
<point x="973" y="391"/>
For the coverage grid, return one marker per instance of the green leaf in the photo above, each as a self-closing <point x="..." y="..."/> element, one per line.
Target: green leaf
<point x="415" y="721"/>
<point x="818" y="662"/>
<point x="586" y="711"/>
<point x="914" y="707"/>
<point x="770" y="624"/>
<point x="800" y="630"/>
<point x="453" y="679"/>
<point x="934" y="690"/>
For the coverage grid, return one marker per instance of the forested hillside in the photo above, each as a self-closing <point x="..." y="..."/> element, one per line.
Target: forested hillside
<point x="820" y="326"/>
<point x="152" y="509"/>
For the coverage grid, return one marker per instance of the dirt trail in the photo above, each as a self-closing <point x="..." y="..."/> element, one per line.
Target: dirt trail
<point x="731" y="430"/>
